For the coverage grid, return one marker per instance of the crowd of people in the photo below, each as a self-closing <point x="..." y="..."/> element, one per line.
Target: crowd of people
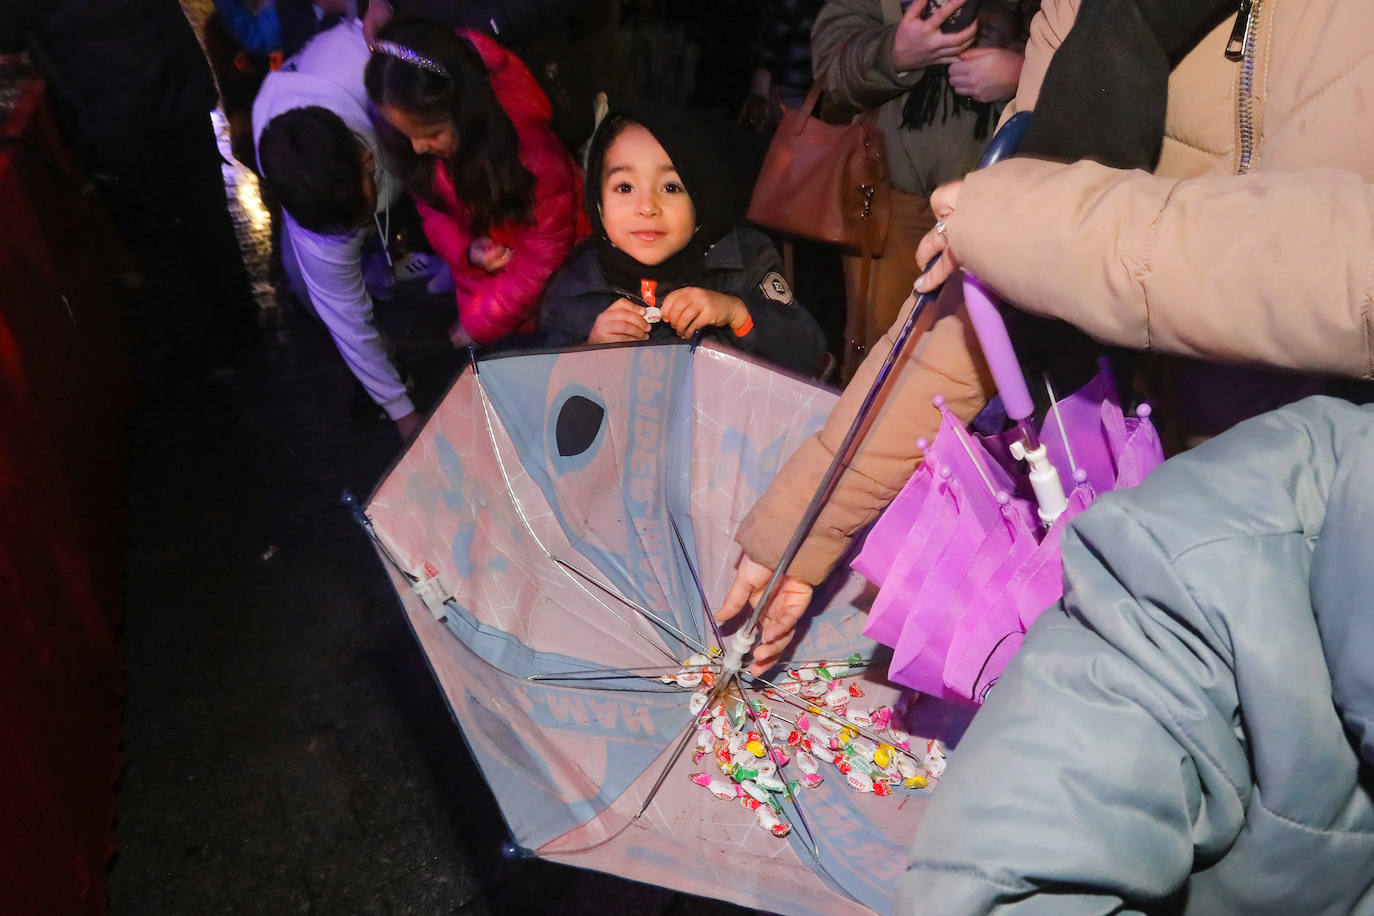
<point x="1193" y="197"/>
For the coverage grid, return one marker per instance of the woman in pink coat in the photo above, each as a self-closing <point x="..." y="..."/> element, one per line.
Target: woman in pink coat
<point x="500" y="197"/>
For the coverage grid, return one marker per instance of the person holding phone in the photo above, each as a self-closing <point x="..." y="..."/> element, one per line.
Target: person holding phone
<point x="929" y="71"/>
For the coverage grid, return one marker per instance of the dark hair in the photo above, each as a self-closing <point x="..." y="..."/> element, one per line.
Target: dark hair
<point x="611" y="127"/>
<point x="688" y="144"/>
<point x="314" y="165"/>
<point x="486" y="172"/>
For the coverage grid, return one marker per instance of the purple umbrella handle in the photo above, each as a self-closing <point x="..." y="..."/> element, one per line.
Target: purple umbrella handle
<point x="997" y="348"/>
<point x="1011" y="385"/>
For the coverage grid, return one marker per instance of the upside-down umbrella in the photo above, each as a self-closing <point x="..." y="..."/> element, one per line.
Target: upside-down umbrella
<point x="968" y="553"/>
<point x="558" y="533"/>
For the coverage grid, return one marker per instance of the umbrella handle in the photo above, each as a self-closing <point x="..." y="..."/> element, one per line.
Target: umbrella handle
<point x="997" y="348"/>
<point x="983" y="308"/>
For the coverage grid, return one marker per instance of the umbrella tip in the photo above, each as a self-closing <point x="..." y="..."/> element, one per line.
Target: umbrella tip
<point x="510" y="851"/>
<point x="351" y="503"/>
<point x="1143" y="411"/>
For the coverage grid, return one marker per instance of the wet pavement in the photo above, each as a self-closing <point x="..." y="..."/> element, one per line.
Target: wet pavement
<point x="287" y="750"/>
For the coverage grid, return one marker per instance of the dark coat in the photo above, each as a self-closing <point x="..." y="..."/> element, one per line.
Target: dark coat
<point x="119" y="69"/>
<point x="743" y="263"/>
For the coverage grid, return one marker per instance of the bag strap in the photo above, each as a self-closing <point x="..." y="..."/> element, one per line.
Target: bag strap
<point x="855" y="331"/>
<point x="808" y="109"/>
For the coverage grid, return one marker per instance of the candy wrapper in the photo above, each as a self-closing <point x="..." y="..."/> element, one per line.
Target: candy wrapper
<point x="767" y="754"/>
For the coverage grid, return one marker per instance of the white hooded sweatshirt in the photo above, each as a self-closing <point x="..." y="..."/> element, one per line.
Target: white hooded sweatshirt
<point x="328" y="72"/>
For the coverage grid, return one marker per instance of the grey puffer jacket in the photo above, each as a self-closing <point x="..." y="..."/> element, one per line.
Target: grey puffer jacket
<point x="1192" y="728"/>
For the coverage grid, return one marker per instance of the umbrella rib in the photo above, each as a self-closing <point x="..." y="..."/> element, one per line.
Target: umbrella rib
<point x="687" y="640"/>
<point x="696" y="578"/>
<point x="524" y="520"/>
<point x="687" y="732"/>
<point x="1063" y="433"/>
<point x="814" y="848"/>
<point x="602" y="672"/>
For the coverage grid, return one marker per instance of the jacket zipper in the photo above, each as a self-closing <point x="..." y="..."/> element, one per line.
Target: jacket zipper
<point x="1241" y="46"/>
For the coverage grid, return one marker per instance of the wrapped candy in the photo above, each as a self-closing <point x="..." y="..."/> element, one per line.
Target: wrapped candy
<point x="811" y="770"/>
<point x="718" y="787"/>
<point x="859" y="781"/>
<point x="771" y="783"/>
<point x="755" y="791"/>
<point x="772" y="821"/>
<point x="935" y="760"/>
<point x="864" y="749"/>
<point x="697" y="703"/>
<point x="837" y="698"/>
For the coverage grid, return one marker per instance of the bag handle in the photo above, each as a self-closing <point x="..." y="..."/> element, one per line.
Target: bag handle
<point x="808" y="109"/>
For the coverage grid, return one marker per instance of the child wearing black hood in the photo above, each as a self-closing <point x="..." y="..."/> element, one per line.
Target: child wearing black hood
<point x="664" y="257"/>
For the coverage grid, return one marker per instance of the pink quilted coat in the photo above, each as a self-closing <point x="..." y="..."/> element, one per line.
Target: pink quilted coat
<point x="494" y="306"/>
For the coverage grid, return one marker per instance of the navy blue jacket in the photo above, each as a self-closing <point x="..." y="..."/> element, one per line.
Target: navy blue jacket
<point x="743" y="263"/>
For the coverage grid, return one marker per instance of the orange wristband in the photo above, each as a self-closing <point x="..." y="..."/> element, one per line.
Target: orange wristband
<point x="746" y="327"/>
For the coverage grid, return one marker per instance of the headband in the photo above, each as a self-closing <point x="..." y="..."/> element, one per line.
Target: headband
<point x="401" y="52"/>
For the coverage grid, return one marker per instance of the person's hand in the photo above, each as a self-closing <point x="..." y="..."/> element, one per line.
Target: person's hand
<point x="485" y="254"/>
<point x="622" y="320"/>
<point x="759" y="104"/>
<point x="379" y="13"/>
<point x="459" y="337"/>
<point x="920" y="43"/>
<point x="692" y="308"/>
<point x="987" y="74"/>
<point x="409" y="425"/>
<point x="756" y="113"/>
<point x="942" y="203"/>
<point x="779" y="620"/>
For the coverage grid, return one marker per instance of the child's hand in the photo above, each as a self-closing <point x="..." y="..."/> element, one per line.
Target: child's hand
<point x="692" y="308"/>
<point x="622" y="320"/>
<point x="485" y="254"/>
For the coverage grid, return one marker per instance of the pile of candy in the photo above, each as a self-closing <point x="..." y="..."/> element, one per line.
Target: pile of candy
<point x="752" y="742"/>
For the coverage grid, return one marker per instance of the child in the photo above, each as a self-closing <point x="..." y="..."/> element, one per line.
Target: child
<point x="498" y="194"/>
<point x="664" y="257"/>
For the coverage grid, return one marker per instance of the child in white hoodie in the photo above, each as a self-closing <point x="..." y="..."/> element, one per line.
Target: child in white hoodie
<point x="318" y="151"/>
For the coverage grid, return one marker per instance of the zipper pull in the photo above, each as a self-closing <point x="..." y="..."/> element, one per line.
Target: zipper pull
<point x="1235" y="45"/>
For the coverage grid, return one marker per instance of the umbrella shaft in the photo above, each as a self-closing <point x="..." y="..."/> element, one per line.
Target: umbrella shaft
<point x="842" y="455"/>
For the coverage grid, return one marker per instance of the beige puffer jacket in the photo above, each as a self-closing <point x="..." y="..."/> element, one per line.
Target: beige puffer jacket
<point x="1253" y="242"/>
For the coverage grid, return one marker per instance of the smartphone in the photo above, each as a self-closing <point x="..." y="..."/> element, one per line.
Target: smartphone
<point x="959" y="21"/>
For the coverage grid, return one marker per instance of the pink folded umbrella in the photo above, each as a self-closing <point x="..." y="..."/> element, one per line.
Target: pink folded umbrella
<point x="963" y="558"/>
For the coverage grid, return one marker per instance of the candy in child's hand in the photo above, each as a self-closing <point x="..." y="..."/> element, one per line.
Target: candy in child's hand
<point x="653" y="314"/>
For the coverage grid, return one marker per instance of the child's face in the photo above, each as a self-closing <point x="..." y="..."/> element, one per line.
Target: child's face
<point x="644" y="207"/>
<point x="427" y="138"/>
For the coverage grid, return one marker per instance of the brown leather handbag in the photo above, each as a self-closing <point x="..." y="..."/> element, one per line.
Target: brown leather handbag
<point x="826" y="182"/>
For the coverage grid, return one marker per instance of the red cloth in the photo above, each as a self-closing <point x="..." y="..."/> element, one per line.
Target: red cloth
<point x="494" y="306"/>
<point x="64" y="400"/>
